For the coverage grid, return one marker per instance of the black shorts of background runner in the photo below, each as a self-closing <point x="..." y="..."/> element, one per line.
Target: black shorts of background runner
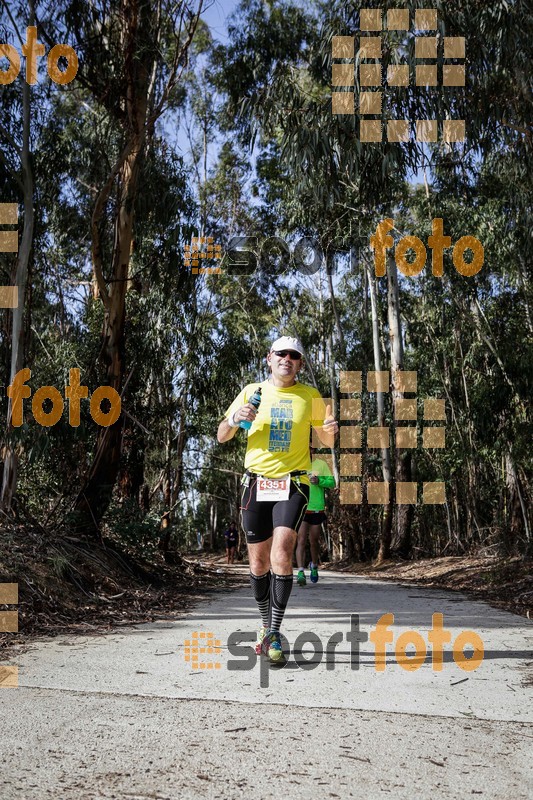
<point x="315" y="517"/>
<point x="258" y="520"/>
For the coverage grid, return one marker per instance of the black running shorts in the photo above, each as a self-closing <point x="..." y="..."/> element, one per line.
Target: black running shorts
<point x="258" y="520"/>
<point x="315" y="517"/>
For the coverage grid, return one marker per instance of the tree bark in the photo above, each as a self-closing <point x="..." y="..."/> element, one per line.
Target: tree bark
<point x="402" y="465"/>
<point x="517" y="523"/>
<point x="137" y="113"/>
<point x="131" y="475"/>
<point x="10" y="471"/>
<point x="386" y="524"/>
<point x="174" y="487"/>
<point x="334" y="399"/>
<point x="166" y="526"/>
<point x="95" y="496"/>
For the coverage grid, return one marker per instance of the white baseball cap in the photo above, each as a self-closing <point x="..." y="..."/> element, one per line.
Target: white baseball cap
<point x="287" y="343"/>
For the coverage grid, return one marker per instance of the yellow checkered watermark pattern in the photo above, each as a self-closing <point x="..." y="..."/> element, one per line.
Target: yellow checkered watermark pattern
<point x="9" y="623"/>
<point x="371" y="77"/>
<point x="201" y="248"/>
<point x="200" y="645"/>
<point x="406" y="436"/>
<point x="9" y="243"/>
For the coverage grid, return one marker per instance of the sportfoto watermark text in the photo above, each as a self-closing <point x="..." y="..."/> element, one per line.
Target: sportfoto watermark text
<point x="246" y="254"/>
<point x="241" y="645"/>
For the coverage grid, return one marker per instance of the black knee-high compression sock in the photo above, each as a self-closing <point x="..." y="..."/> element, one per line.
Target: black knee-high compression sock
<point x="280" y="591"/>
<point x="261" y="590"/>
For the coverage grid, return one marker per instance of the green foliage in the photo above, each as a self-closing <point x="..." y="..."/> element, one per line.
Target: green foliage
<point x="136" y="532"/>
<point x="258" y="152"/>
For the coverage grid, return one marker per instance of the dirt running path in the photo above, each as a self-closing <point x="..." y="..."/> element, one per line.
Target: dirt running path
<point x="124" y="715"/>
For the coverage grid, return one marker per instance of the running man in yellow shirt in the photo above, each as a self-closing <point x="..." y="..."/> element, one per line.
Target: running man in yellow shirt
<point x="275" y="483"/>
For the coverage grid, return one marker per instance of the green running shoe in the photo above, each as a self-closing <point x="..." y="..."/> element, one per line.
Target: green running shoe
<point x="271" y="647"/>
<point x="300" y="579"/>
<point x="314" y="574"/>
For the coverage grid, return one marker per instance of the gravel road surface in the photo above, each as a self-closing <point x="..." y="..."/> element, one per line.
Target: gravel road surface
<point x="125" y="715"/>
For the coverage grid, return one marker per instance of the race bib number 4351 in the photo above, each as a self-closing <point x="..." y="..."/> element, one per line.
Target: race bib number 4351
<point x="273" y="489"/>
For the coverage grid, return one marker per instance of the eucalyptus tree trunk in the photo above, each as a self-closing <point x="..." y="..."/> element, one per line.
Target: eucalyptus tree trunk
<point x="517" y="523"/>
<point x="131" y="475"/>
<point x="166" y="527"/>
<point x="96" y="494"/>
<point x="10" y="471"/>
<point x="345" y="547"/>
<point x="525" y="285"/>
<point x="386" y="524"/>
<point x="140" y="22"/>
<point x="173" y="477"/>
<point x="213" y="523"/>
<point x="402" y="465"/>
<point x="338" y="326"/>
<point x="335" y="405"/>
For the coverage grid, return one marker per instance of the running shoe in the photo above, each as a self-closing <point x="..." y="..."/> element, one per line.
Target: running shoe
<point x="271" y="646"/>
<point x="260" y="636"/>
<point x="300" y="579"/>
<point x="314" y="574"/>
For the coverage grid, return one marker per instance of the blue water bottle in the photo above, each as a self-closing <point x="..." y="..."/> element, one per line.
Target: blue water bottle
<point x="255" y="400"/>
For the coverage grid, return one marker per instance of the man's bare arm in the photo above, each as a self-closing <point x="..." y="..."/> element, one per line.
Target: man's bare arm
<point x="226" y="431"/>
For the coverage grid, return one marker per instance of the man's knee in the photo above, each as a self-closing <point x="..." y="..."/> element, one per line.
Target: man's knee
<point x="259" y="556"/>
<point x="283" y="544"/>
<point x="284" y="537"/>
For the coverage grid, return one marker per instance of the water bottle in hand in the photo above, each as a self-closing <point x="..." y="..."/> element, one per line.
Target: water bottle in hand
<point x="255" y="400"/>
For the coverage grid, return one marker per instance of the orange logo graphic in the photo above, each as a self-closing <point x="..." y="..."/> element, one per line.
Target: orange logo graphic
<point x="379" y="438"/>
<point x="193" y="253"/>
<point x="370" y="77"/>
<point x="201" y="645"/>
<point x="9" y="243"/>
<point x="9" y="623"/>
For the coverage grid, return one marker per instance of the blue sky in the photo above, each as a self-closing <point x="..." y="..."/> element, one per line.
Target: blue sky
<point x="216" y="14"/>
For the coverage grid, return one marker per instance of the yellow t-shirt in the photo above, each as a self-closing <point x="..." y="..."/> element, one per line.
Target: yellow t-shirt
<point x="278" y="441"/>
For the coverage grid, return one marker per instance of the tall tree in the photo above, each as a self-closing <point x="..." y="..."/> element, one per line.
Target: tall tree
<point x="136" y="54"/>
<point x="23" y="180"/>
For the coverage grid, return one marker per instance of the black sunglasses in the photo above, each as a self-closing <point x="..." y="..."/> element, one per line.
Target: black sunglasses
<point x="291" y="353"/>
